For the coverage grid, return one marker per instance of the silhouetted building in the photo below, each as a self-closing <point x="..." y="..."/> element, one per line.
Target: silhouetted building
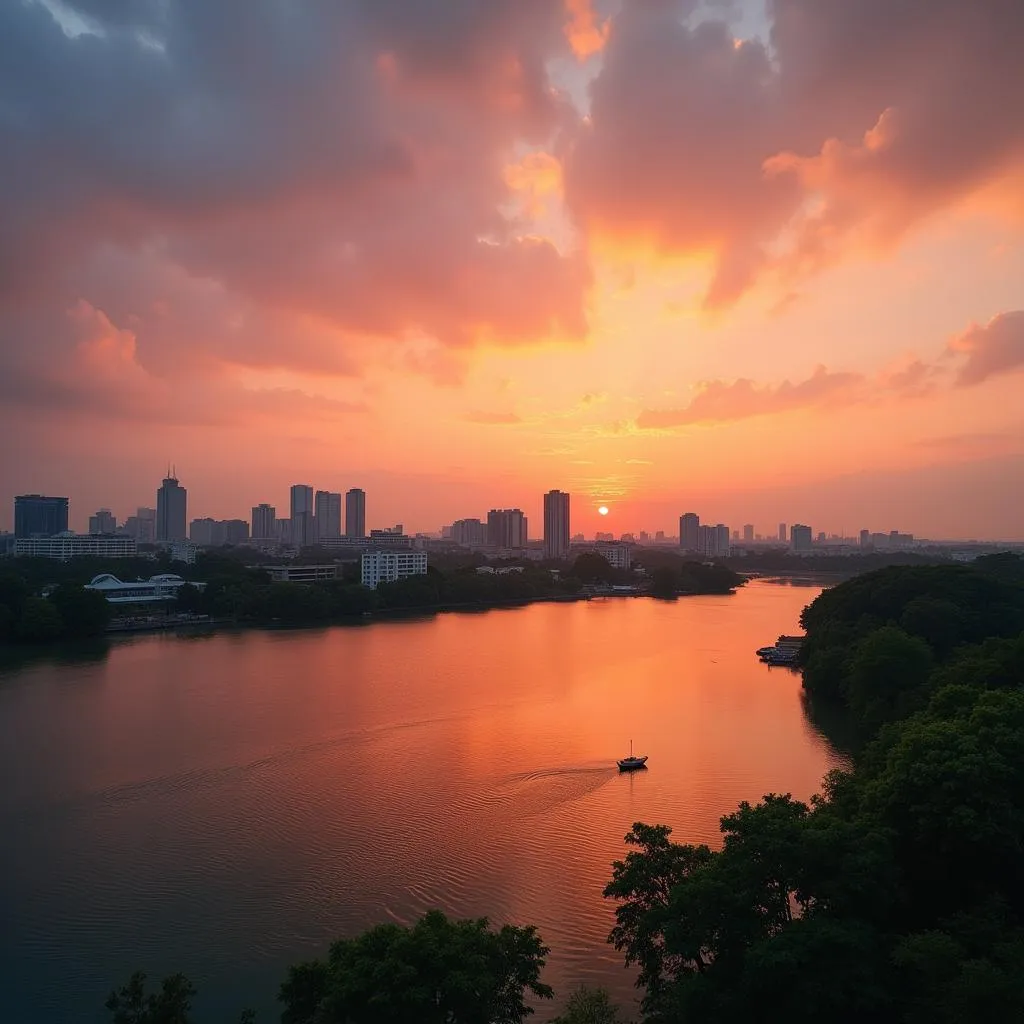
<point x="713" y="541"/>
<point x="328" y="515"/>
<point x="36" y="515"/>
<point x="171" y="510"/>
<point x="865" y="538"/>
<point x="469" y="532"/>
<point x="355" y="513"/>
<point x="236" y="531"/>
<point x="506" y="528"/>
<point x="264" y="522"/>
<point x="689" y="531"/>
<point x="556" y="525"/>
<point x="303" y="525"/>
<point x="142" y="526"/>
<point x="66" y="546"/>
<point x="748" y="532"/>
<point x="783" y="535"/>
<point x="206" y="532"/>
<point x="801" y="538"/>
<point x="103" y="522"/>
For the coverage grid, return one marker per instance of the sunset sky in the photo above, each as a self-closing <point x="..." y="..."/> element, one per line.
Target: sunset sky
<point x="758" y="259"/>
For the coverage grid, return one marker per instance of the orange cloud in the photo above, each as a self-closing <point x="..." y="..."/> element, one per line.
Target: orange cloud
<point x="993" y="349"/>
<point x="587" y="34"/>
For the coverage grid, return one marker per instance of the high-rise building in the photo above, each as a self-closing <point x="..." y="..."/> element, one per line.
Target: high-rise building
<point x="506" y="528"/>
<point x="303" y="524"/>
<point x="801" y="537"/>
<point x="865" y="538"/>
<point x="328" y="515"/>
<point x="355" y="513"/>
<point x="556" y="525"/>
<point x="236" y="531"/>
<point x="713" y="541"/>
<point x="142" y="525"/>
<point x="103" y="522"/>
<point x="206" y="533"/>
<point x="264" y="522"/>
<point x="171" y="510"/>
<point x="378" y="567"/>
<point x="783" y="535"/>
<point x="36" y="515"/>
<point x="689" y="531"/>
<point x="748" y="532"/>
<point x="469" y="532"/>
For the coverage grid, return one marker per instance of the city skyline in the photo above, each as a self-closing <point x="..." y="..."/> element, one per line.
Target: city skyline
<point x="666" y="255"/>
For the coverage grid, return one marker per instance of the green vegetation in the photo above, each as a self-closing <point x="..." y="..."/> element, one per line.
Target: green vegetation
<point x="69" y="613"/>
<point x="672" y="575"/>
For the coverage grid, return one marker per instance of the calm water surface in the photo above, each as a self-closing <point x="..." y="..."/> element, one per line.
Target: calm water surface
<point x="227" y="804"/>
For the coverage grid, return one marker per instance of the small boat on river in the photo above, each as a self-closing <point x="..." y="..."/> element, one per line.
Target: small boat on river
<point x="631" y="763"/>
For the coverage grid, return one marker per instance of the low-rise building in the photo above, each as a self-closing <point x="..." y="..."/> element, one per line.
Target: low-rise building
<point x="66" y="546"/>
<point x="302" y="573"/>
<point x="388" y="566"/>
<point x="163" y="587"/>
<point x="615" y="553"/>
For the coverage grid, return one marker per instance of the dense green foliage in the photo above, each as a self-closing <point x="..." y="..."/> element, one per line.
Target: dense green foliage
<point x="69" y="613"/>
<point x="899" y="895"/>
<point x="672" y="575"/>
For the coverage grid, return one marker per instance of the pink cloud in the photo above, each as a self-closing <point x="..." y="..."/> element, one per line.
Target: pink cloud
<point x="990" y="350"/>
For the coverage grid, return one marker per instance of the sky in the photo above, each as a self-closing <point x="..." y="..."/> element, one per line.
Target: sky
<point x="758" y="259"/>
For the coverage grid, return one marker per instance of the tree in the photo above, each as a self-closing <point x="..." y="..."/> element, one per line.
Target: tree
<point x="589" y="1006"/>
<point x="665" y="583"/>
<point x="40" y="622"/>
<point x="888" y="676"/>
<point x="591" y="567"/>
<point x="131" y="1004"/>
<point x="85" y="613"/>
<point x="437" y="972"/>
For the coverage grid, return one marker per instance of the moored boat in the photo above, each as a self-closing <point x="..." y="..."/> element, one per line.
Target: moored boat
<point x="631" y="763"/>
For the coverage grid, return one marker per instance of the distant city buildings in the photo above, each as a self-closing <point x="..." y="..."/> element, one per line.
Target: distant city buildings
<point x="355" y="513"/>
<point x="469" y="533"/>
<point x="264" y="522"/>
<point x="801" y="538"/>
<point x="556" y="525"/>
<point x="689" y="531"/>
<point x="102" y="522"/>
<point x="66" y="546"/>
<point x="748" y="532"/>
<point x="506" y="528"/>
<point x="713" y="541"/>
<point x="38" y="515"/>
<point x="218" y="532"/>
<point x="783" y="535"/>
<point x="378" y="567"/>
<point x="142" y="526"/>
<point x="302" y="522"/>
<point x="327" y="515"/>
<point x="171" y="506"/>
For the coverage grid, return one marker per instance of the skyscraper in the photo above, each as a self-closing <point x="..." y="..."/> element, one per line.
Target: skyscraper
<point x="748" y="532"/>
<point x="355" y="513"/>
<point x="689" y="531"/>
<point x="328" y="514"/>
<point x="36" y="515"/>
<point x="556" y="524"/>
<point x="171" y="514"/>
<point x="783" y="535"/>
<point x="102" y="522"/>
<point x="264" y="522"/>
<point x="801" y="537"/>
<point x="303" y="532"/>
<point x="506" y="528"/>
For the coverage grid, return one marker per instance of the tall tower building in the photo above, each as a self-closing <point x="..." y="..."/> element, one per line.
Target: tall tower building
<point x="506" y="528"/>
<point x="171" y="509"/>
<point x="328" y="514"/>
<point x="801" y="537"/>
<point x="748" y="532"/>
<point x="303" y="525"/>
<point x="783" y="535"/>
<point x="355" y="513"/>
<point x="556" y="525"/>
<point x="264" y="522"/>
<point x="36" y="515"/>
<point x="689" y="531"/>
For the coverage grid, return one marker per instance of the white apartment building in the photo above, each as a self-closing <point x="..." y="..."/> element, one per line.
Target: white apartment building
<point x="66" y="546"/>
<point x="388" y="566"/>
<point x="164" y="587"/>
<point x="615" y="553"/>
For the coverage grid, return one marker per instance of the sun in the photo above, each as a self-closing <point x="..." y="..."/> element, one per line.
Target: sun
<point x="603" y="510"/>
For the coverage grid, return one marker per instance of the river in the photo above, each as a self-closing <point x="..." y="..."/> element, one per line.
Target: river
<point x="227" y="804"/>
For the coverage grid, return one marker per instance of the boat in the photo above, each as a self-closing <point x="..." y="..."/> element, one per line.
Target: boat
<point x="631" y="763"/>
